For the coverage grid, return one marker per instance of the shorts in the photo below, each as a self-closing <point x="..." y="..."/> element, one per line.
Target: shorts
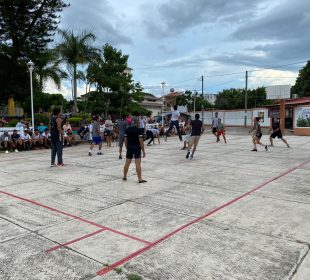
<point x="221" y="132"/>
<point x="133" y="152"/>
<point x="194" y="140"/>
<point x="108" y="132"/>
<point x="97" y="140"/>
<point x="276" y="134"/>
<point x="259" y="135"/>
<point x="214" y="129"/>
<point x="186" y="137"/>
<point x="121" y="140"/>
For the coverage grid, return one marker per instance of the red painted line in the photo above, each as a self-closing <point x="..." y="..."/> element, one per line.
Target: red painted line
<point x="75" y="240"/>
<point x="75" y="217"/>
<point x="148" y="247"/>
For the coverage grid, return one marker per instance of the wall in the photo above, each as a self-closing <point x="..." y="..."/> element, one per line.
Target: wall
<point x="301" y="112"/>
<point x="236" y="117"/>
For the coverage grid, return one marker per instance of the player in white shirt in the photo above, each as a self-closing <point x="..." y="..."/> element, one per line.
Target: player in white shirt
<point x="175" y="116"/>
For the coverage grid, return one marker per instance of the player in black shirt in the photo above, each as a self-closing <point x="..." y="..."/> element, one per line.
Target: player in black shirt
<point x="56" y="137"/>
<point x="276" y="132"/>
<point x="197" y="129"/>
<point x="134" y="144"/>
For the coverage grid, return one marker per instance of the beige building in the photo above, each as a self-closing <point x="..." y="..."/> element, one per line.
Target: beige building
<point x="152" y="103"/>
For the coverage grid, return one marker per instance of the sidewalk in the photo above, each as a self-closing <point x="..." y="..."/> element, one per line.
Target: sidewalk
<point x="228" y="214"/>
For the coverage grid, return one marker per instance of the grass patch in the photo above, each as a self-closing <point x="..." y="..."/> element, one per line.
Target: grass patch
<point x="134" y="277"/>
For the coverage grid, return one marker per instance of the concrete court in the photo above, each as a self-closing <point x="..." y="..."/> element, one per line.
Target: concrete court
<point x="228" y="214"/>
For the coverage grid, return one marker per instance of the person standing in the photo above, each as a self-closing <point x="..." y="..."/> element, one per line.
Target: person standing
<point x="197" y="129"/>
<point x="215" y="121"/>
<point x="187" y="136"/>
<point x="96" y="136"/>
<point x="121" y="125"/>
<point x="108" y="130"/>
<point x="134" y="145"/>
<point x="257" y="135"/>
<point x="276" y="132"/>
<point x="221" y="130"/>
<point x="175" y="116"/>
<point x="56" y="138"/>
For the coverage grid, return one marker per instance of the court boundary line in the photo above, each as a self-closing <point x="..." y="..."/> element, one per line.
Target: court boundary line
<point x="75" y="240"/>
<point x="75" y="217"/>
<point x="167" y="236"/>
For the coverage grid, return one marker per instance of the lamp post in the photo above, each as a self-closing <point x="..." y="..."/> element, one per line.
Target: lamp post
<point x="162" y="105"/>
<point x="30" y="66"/>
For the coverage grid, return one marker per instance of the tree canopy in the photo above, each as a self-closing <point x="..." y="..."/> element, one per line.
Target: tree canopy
<point x="26" y="28"/>
<point x="302" y="85"/>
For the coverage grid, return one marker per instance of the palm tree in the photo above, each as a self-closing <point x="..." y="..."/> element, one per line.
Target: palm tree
<point x="48" y="67"/>
<point x="75" y="50"/>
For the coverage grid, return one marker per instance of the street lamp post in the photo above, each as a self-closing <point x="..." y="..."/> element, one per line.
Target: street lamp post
<point x="162" y="105"/>
<point x="30" y="65"/>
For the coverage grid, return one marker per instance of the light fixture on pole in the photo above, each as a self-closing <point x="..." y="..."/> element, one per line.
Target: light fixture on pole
<point x="162" y="105"/>
<point x="30" y="66"/>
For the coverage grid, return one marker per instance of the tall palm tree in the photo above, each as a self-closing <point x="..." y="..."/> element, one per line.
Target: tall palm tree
<point x="76" y="50"/>
<point x="47" y="66"/>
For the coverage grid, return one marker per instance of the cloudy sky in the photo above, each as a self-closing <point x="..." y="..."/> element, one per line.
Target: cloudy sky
<point x="178" y="41"/>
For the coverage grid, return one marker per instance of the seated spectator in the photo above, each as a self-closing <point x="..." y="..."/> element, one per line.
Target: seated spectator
<point x="83" y="132"/>
<point x="37" y="140"/>
<point x="6" y="141"/>
<point x="41" y="127"/>
<point x="46" y="137"/>
<point x="69" y="138"/>
<point x="17" y="142"/>
<point x="27" y="141"/>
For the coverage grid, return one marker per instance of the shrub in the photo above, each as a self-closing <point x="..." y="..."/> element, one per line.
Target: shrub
<point x="75" y="121"/>
<point x="303" y="122"/>
<point x="38" y="118"/>
<point x="12" y="123"/>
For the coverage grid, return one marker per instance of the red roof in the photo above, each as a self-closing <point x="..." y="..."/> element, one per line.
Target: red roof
<point x="297" y="101"/>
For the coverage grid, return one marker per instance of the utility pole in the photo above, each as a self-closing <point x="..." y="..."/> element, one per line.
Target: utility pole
<point x="246" y="98"/>
<point x="202" y="111"/>
<point x="162" y="105"/>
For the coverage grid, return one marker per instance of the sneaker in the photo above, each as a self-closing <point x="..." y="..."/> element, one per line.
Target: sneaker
<point x="254" y="150"/>
<point x="53" y="165"/>
<point x="166" y="138"/>
<point x="271" y="145"/>
<point x="120" y="157"/>
<point x="99" y="153"/>
<point x="90" y="154"/>
<point x="266" y="148"/>
<point x="60" y="165"/>
<point x="191" y="157"/>
<point x="6" y="151"/>
<point x="288" y="145"/>
<point x="16" y="151"/>
<point x="187" y="155"/>
<point x="183" y="148"/>
<point x="149" y="145"/>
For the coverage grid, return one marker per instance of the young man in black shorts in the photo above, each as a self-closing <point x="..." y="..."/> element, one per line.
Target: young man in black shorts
<point x="276" y="132"/>
<point x="134" y="144"/>
<point x="257" y="135"/>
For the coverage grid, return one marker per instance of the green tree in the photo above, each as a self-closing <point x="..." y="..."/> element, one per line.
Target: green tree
<point x="302" y="84"/>
<point x="26" y="28"/>
<point x="75" y="50"/>
<point x="188" y="99"/>
<point x="47" y="66"/>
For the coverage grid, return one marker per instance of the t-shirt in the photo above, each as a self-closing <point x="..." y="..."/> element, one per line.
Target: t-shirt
<point x="174" y="115"/>
<point x="155" y="131"/>
<point x="108" y="125"/>
<point x="196" y="127"/>
<point x="55" y="134"/>
<point x="275" y="126"/>
<point x="26" y="137"/>
<point x="257" y="127"/>
<point x="36" y="136"/>
<point x="15" y="136"/>
<point x="215" y="122"/>
<point x="95" y="129"/>
<point x="220" y="127"/>
<point x="41" y="128"/>
<point x="5" y="138"/>
<point x="46" y="135"/>
<point x="133" y="134"/>
<point x="121" y="127"/>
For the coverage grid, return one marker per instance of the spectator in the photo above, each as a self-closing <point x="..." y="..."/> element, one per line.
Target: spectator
<point x="27" y="141"/>
<point x="6" y="141"/>
<point x="46" y="137"/>
<point x="17" y="141"/>
<point x="108" y="130"/>
<point x="37" y="139"/>
<point x="56" y="138"/>
<point x="41" y="127"/>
